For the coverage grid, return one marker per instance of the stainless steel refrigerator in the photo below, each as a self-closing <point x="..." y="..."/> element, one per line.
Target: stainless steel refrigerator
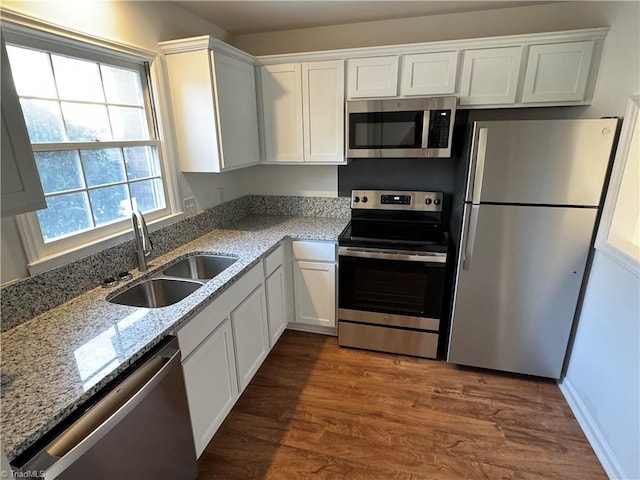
<point x="532" y="196"/>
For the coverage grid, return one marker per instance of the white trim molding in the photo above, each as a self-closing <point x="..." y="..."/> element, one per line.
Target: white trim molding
<point x="588" y="424"/>
<point x="21" y="24"/>
<point x="622" y="204"/>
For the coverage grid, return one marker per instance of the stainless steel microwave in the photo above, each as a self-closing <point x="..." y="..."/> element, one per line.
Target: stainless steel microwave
<point x="396" y="128"/>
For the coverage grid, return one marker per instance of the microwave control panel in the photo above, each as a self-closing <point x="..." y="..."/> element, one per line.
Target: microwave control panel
<point x="439" y="125"/>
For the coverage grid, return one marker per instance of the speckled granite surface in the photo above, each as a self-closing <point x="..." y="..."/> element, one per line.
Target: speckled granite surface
<point x="57" y="360"/>
<point x="335" y="207"/>
<point x="32" y="296"/>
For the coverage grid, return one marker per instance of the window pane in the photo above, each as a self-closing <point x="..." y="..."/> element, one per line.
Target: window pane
<point x="129" y="123"/>
<point x="103" y="165"/>
<point x="77" y="79"/>
<point x="31" y="72"/>
<point x="59" y="170"/>
<point x="44" y="121"/>
<point x="147" y="195"/>
<point x="110" y="204"/>
<point x="141" y="162"/>
<point x="121" y="86"/>
<point x="65" y="214"/>
<point x="86" y="123"/>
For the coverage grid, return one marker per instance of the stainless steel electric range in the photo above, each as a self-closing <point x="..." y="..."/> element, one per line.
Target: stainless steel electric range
<point x="391" y="261"/>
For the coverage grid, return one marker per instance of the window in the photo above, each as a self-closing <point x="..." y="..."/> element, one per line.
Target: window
<point x="91" y="123"/>
<point x="618" y="235"/>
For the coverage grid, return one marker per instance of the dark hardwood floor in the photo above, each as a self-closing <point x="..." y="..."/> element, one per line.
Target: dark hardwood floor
<point x="318" y="411"/>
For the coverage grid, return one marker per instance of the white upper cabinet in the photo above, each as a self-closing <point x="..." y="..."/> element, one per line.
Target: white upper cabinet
<point x="557" y="72"/>
<point x="303" y="112"/>
<point x="21" y="188"/>
<point x="429" y="74"/>
<point x="282" y="113"/>
<point x="372" y="77"/>
<point x="490" y="76"/>
<point x="323" y="111"/>
<point x="213" y="94"/>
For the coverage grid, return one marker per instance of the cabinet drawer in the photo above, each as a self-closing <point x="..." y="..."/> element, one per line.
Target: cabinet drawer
<point x="273" y="260"/>
<point x="200" y="327"/>
<point x="310" y="250"/>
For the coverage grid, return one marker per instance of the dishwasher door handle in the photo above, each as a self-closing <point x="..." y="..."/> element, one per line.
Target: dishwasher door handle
<point x="109" y="411"/>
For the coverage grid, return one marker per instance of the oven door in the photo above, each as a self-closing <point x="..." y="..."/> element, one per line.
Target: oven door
<point x="391" y="288"/>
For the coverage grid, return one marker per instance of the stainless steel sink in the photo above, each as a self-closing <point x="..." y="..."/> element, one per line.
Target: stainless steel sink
<point x="199" y="267"/>
<point x="156" y="292"/>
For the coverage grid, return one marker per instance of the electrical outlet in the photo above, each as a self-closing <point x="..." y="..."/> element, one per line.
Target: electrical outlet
<point x="189" y="207"/>
<point x="221" y="195"/>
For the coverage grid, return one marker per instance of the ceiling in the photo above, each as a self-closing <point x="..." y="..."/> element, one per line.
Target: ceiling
<point x="251" y="16"/>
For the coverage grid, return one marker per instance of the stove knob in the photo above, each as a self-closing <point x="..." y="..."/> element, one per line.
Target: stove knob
<point x="364" y="199"/>
<point x="427" y="201"/>
<point x="356" y="199"/>
<point x="437" y="201"/>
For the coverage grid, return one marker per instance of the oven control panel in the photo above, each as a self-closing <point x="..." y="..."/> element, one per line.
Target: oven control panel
<point x="396" y="200"/>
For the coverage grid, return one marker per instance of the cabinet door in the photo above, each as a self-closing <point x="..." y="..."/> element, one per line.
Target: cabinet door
<point x="276" y="304"/>
<point x="236" y="112"/>
<point x="429" y="73"/>
<point x="557" y="72"/>
<point x="490" y="76"/>
<point x="251" y="335"/>
<point x="21" y="188"/>
<point x="192" y="100"/>
<point x="282" y="112"/>
<point x="323" y="111"/>
<point x="372" y="77"/>
<point x="314" y="286"/>
<point x="210" y="379"/>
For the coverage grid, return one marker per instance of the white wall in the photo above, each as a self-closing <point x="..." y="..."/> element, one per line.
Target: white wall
<point x="602" y="381"/>
<point x="487" y="23"/>
<point x="303" y="180"/>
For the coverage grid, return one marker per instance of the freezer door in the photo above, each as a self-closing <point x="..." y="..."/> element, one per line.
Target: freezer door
<point x="519" y="276"/>
<point x="542" y="162"/>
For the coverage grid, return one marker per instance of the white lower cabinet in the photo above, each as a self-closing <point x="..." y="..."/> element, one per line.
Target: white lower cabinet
<point x="276" y="285"/>
<point x="210" y="379"/>
<point x="225" y="344"/>
<point x="250" y="334"/>
<point x="314" y="283"/>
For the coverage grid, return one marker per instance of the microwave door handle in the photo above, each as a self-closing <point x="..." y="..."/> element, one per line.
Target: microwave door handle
<point x="425" y="128"/>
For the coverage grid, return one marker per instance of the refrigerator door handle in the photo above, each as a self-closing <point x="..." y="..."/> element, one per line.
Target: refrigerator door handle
<point x="480" y="152"/>
<point x="471" y="237"/>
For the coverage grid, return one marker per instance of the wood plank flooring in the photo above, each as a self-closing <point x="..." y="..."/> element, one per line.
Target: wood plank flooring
<point x="318" y="411"/>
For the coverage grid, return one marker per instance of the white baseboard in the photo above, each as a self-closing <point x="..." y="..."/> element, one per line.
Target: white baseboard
<point x="303" y="327"/>
<point x="599" y="444"/>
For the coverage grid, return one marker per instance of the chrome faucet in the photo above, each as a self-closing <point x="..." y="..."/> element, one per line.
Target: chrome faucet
<point x="141" y="240"/>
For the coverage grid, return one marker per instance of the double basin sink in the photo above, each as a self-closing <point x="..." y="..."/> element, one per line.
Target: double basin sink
<point x="175" y="282"/>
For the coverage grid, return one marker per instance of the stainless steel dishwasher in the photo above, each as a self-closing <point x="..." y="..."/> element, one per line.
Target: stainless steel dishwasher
<point x="139" y="429"/>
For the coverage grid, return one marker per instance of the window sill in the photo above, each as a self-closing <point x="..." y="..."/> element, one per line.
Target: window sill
<point x="624" y="253"/>
<point x="67" y="256"/>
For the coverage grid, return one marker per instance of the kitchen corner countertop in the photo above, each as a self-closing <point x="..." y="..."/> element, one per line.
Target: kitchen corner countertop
<point x="56" y="361"/>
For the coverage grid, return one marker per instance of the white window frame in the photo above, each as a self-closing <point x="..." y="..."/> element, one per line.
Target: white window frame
<point x="28" y="32"/>
<point x="621" y="213"/>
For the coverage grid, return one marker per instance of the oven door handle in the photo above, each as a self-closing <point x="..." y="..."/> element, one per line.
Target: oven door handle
<point x="424" y="257"/>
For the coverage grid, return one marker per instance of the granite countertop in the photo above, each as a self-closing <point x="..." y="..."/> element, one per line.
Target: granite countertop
<point x="56" y="361"/>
